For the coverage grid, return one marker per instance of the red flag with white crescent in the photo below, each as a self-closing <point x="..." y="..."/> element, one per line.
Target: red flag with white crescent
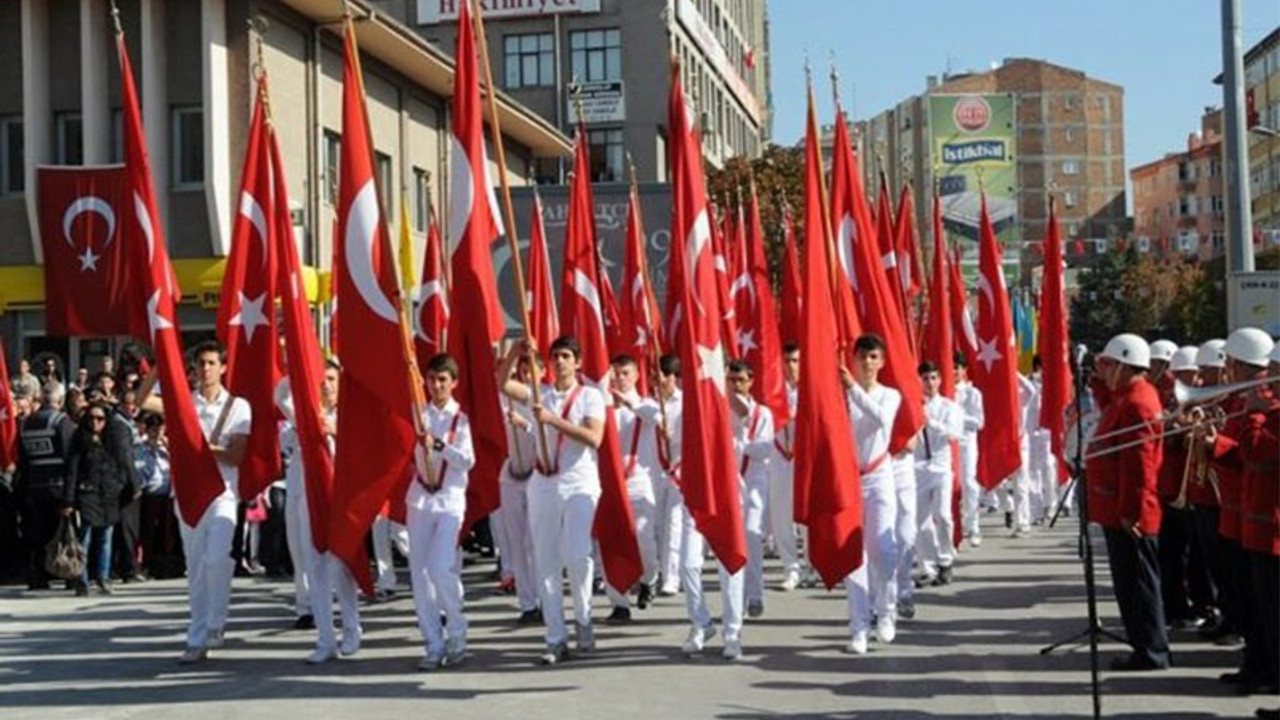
<point x="792" y="296"/>
<point x="1054" y="346"/>
<point x="431" y="302"/>
<point x="544" y="319"/>
<point x="757" y="313"/>
<point x="995" y="367"/>
<point x="637" y="308"/>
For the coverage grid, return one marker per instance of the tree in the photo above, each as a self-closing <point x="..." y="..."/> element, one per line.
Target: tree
<point x="779" y="174"/>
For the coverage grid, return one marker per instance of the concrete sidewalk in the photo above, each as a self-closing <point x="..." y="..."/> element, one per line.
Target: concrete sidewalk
<point x="972" y="652"/>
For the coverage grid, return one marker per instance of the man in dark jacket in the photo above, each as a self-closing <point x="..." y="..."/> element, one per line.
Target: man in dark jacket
<point x="44" y="441"/>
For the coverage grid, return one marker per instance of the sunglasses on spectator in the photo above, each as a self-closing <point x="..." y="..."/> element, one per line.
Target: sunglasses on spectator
<point x="97" y="416"/>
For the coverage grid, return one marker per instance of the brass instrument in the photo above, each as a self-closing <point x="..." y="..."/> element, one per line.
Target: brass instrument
<point x="1196" y="469"/>
<point x="1185" y="394"/>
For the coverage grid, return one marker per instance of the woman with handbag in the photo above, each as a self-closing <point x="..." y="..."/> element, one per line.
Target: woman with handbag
<point x="99" y="482"/>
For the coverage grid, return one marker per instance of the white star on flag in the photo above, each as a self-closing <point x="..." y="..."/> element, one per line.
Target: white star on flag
<point x="987" y="353"/>
<point x="250" y="316"/>
<point x="711" y="366"/>
<point x="747" y="341"/>
<point x="89" y="261"/>
<point x="155" y="320"/>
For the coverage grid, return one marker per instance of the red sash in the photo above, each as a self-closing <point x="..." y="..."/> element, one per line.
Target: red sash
<point x="632" y="456"/>
<point x="444" y="466"/>
<point x="875" y="464"/>
<point x="787" y="453"/>
<point x="564" y="415"/>
<point x="751" y="435"/>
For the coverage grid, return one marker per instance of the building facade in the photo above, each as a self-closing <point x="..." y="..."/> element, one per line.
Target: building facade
<point x="608" y="60"/>
<point x="194" y="67"/>
<point x="1177" y="200"/>
<point x="1262" y="100"/>
<point x="1068" y="131"/>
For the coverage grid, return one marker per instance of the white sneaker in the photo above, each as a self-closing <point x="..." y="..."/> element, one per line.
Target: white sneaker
<point x="193" y="655"/>
<point x="350" y="641"/>
<point x="732" y="649"/>
<point x="322" y="654"/>
<point x="432" y="661"/>
<point x="886" y="631"/>
<point x="790" y="581"/>
<point x="1021" y="532"/>
<point x="217" y="638"/>
<point x="858" y="643"/>
<point x="554" y="654"/>
<point x="697" y="639"/>
<point x="975" y="540"/>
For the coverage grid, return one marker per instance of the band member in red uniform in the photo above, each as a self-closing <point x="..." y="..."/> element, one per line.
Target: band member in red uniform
<point x="1125" y="497"/>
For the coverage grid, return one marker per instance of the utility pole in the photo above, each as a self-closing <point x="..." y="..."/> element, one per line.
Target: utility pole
<point x="1236" y="191"/>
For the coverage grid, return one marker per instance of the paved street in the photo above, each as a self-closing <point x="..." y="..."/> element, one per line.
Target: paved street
<point x="972" y="652"/>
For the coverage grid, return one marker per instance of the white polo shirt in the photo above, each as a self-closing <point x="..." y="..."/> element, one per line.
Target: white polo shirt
<point x="238" y="422"/>
<point x="577" y="463"/>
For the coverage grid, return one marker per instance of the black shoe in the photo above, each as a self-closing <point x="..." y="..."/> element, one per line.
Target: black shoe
<point x="944" y="576"/>
<point x="82" y="590"/>
<point x="530" y="617"/>
<point x="1242" y="677"/>
<point x="1267" y="714"/>
<point x="1008" y="520"/>
<point x="645" y="596"/>
<point x="597" y="587"/>
<point x="104" y="586"/>
<point x="305" y="622"/>
<point x="619" y="616"/>
<point x="38" y="585"/>
<point x="1134" y="663"/>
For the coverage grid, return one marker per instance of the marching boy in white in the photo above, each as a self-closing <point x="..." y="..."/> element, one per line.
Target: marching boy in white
<point x="436" y="504"/>
<point x="944" y="424"/>
<point x="970" y="400"/>
<point x="753" y="441"/>
<point x="668" y="501"/>
<point x="872" y="411"/>
<point x="513" y="484"/>
<point x="640" y="461"/>
<point x="781" y="479"/>
<point x="563" y="492"/>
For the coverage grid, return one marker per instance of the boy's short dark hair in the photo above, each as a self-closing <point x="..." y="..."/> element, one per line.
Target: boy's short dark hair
<point x="150" y="420"/>
<point x="1036" y="362"/>
<point x="624" y="360"/>
<point x="961" y="361"/>
<point x="669" y="364"/>
<point x="868" y="343"/>
<point x="211" y="346"/>
<point x="791" y="347"/>
<point x="566" y="342"/>
<point x="928" y="366"/>
<point x="443" y="363"/>
<point x="742" y="366"/>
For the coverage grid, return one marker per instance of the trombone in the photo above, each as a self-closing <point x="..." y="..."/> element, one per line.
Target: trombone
<point x="1196" y="468"/>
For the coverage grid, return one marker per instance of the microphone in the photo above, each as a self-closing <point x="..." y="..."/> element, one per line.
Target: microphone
<point x="1081" y="352"/>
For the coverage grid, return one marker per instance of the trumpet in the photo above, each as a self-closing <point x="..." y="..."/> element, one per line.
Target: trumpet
<point x="1196" y="468"/>
<point x="1187" y="395"/>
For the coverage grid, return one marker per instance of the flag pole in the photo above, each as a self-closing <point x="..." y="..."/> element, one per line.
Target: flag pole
<point x="495" y="131"/>
<point x="828" y="235"/>
<point x="642" y="262"/>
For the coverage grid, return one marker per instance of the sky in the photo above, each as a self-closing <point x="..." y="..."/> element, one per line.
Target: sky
<point x="1164" y="53"/>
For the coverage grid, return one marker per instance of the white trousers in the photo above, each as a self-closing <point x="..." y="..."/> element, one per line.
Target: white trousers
<point x="668" y="530"/>
<point x="560" y="517"/>
<point x="330" y="577"/>
<point x="692" y="551"/>
<point x="906" y="527"/>
<point x="782" y="512"/>
<point x="935" y="547"/>
<point x="209" y="567"/>
<point x="872" y="587"/>
<point x="434" y="521"/>
<point x="1044" y="475"/>
<point x="518" y="555"/>
<point x="297" y="525"/>
<point x="971" y="491"/>
<point x="644" y="509"/>
<point x="386" y="532"/>
<point x="755" y="491"/>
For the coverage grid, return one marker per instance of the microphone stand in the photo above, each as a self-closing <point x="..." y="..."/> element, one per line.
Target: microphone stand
<point x="1094" y="628"/>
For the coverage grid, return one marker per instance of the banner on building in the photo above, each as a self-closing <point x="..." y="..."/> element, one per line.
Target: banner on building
<point x="974" y="143"/>
<point x="431" y="12"/>
<point x="602" y="102"/>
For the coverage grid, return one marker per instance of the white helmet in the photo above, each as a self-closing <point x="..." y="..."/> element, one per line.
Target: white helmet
<point x="1250" y="346"/>
<point x="1183" y="359"/>
<point x="1163" y="350"/>
<point x="1129" y="349"/>
<point x="1211" y="354"/>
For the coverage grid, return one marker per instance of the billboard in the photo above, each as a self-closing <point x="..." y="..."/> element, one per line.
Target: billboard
<point x="431" y="12"/>
<point x="973" y="140"/>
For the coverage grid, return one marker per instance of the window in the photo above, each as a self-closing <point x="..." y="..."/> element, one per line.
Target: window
<point x="1070" y="167"/>
<point x="607" y="155"/>
<point x="1215" y="168"/>
<point x="382" y="165"/>
<point x="1216" y="204"/>
<point x="1071" y="134"/>
<point x="188" y="147"/>
<point x="596" y="55"/>
<point x="13" y="179"/>
<point x="421" y="199"/>
<point x="332" y="155"/>
<point x="530" y="59"/>
<point x="69" y="136"/>
<point x="1069" y="199"/>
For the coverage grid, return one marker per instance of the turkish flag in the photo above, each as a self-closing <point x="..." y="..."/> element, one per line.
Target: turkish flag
<point x="1054" y="345"/>
<point x="910" y="273"/>
<point x="792" y="297"/>
<point x="431" y="301"/>
<point x="582" y="316"/>
<point x="476" y="323"/>
<point x="939" y="344"/>
<point x="376" y="423"/>
<point x="887" y="239"/>
<point x="827" y="486"/>
<point x="966" y="336"/>
<point x="543" y="318"/>
<point x="8" y="417"/>
<point x="995" y="366"/>
<point x="196" y="479"/>
<point x="854" y="230"/>
<point x="729" y="324"/>
<point x="880" y="314"/>
<point x="306" y="367"/>
<point x="86" y="268"/>
<point x="757" y="317"/>
<point x="637" y="309"/>
<point x="709" y="464"/>
<point x="247" y="316"/>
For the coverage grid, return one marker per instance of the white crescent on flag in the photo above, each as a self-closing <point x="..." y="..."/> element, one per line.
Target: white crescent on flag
<point x="427" y="291"/>
<point x="251" y="210"/>
<point x="697" y="242"/>
<point x="84" y="204"/>
<point x="361" y="232"/>
<point x="587" y="291"/>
